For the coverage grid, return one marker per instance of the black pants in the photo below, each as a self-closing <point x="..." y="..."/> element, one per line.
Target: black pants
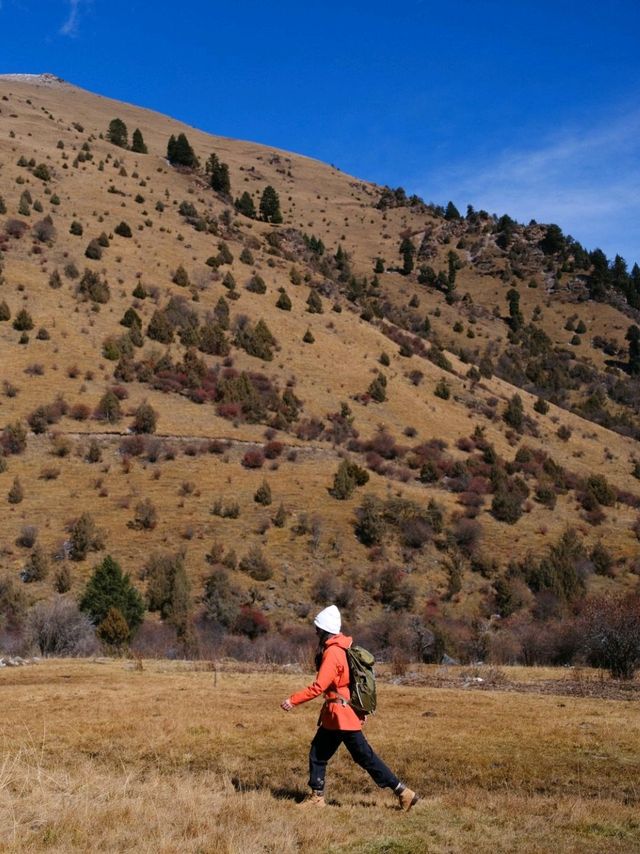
<point x="325" y="744"/>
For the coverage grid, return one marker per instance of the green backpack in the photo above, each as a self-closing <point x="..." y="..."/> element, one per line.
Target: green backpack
<point x="362" y="681"/>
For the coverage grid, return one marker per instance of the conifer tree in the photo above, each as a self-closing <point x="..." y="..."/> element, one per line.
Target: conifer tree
<point x="270" y="206"/>
<point x="117" y="133"/>
<point x="219" y="175"/>
<point x="408" y="251"/>
<point x="452" y="212"/>
<point x="515" y="315"/>
<point x="137" y="143"/>
<point x="109" y="588"/>
<point x="633" y="337"/>
<point x="180" y="153"/>
<point x="245" y="205"/>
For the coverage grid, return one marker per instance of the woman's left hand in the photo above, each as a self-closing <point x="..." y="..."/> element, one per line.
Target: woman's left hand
<point x="286" y="705"/>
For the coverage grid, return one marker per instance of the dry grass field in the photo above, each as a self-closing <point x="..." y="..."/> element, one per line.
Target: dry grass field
<point x="110" y="755"/>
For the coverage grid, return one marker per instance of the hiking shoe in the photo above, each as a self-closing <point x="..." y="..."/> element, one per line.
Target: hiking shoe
<point x="407" y="798"/>
<point x="315" y="799"/>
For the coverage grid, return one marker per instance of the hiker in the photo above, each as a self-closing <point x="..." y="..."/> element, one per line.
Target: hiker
<point x="338" y="722"/>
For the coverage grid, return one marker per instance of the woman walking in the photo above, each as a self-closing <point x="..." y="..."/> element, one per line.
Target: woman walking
<point x="338" y="723"/>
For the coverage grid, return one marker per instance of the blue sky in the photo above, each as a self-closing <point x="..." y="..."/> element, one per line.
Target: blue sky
<point x="528" y="108"/>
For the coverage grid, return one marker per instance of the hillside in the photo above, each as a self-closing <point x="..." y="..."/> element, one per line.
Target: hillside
<point x="127" y="280"/>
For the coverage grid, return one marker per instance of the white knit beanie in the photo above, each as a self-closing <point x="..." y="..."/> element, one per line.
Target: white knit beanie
<point x="329" y="620"/>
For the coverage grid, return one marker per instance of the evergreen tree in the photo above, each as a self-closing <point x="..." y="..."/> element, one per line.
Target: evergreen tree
<point x="270" y="206"/>
<point x="180" y="153"/>
<point x="515" y="315"/>
<point x="219" y="175"/>
<point x="109" y="588"/>
<point x="137" y="143"/>
<point x="117" y="133"/>
<point x="314" y="303"/>
<point x="633" y="337"/>
<point x="514" y="413"/>
<point x="245" y="205"/>
<point x="452" y="212"/>
<point x="408" y="251"/>
<point x="284" y="303"/>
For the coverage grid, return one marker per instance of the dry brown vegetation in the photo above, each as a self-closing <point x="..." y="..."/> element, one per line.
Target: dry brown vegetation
<point x="118" y="756"/>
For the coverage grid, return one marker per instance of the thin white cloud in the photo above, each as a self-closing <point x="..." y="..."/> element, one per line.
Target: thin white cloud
<point x="70" y="26"/>
<point x="587" y="180"/>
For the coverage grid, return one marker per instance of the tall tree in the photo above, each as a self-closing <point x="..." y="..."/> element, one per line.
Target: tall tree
<point x="109" y="588"/>
<point x="180" y="153"/>
<point x="137" y="142"/>
<point x="117" y="133"/>
<point x="245" y="205"/>
<point x="408" y="251"/>
<point x="219" y="175"/>
<point x="515" y="315"/>
<point x="633" y="337"/>
<point x="270" y="205"/>
<point x="452" y="212"/>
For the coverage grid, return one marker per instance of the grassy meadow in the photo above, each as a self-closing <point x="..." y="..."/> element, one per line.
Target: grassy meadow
<point x="113" y="755"/>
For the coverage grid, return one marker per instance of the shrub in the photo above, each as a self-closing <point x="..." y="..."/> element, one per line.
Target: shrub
<point x="93" y="287"/>
<point x="314" y="303"/>
<point x="145" y="419"/>
<point x="37" y="566"/>
<point x="507" y="507"/>
<point x="108" y="408"/>
<point x="221" y="599"/>
<point x="256" y="284"/>
<point x="253" y="459"/>
<point x="251" y="622"/>
<point x="62" y="579"/>
<point x="611" y="631"/>
<point x="85" y="537"/>
<point x="13" y="603"/>
<point x="346" y="479"/>
<point x="76" y="228"/>
<point x="255" y="564"/>
<point x="16" y="493"/>
<point x="514" y="413"/>
<point x="378" y="388"/>
<point x="123" y="229"/>
<point x="181" y="277"/>
<point x="284" y="303"/>
<point x="58" y="628"/>
<point x="23" y="321"/>
<point x="14" y="438"/>
<point x="160" y="328"/>
<point x="598" y="486"/>
<point x="145" y="517"/>
<point x="93" y="250"/>
<point x="27" y="537"/>
<point x="602" y="559"/>
<point x="5" y="313"/>
<point x="263" y="494"/>
<point x="443" y="390"/>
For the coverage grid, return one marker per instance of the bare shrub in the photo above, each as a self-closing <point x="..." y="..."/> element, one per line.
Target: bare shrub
<point x="58" y="628"/>
<point x="611" y="631"/>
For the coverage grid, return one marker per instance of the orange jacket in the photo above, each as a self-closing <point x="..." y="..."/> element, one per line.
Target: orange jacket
<point x="332" y="681"/>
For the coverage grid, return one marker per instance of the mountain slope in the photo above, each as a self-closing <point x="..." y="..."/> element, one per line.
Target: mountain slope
<point x="312" y="400"/>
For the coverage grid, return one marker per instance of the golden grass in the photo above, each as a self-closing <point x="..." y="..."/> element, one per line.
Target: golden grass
<point x="99" y="756"/>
